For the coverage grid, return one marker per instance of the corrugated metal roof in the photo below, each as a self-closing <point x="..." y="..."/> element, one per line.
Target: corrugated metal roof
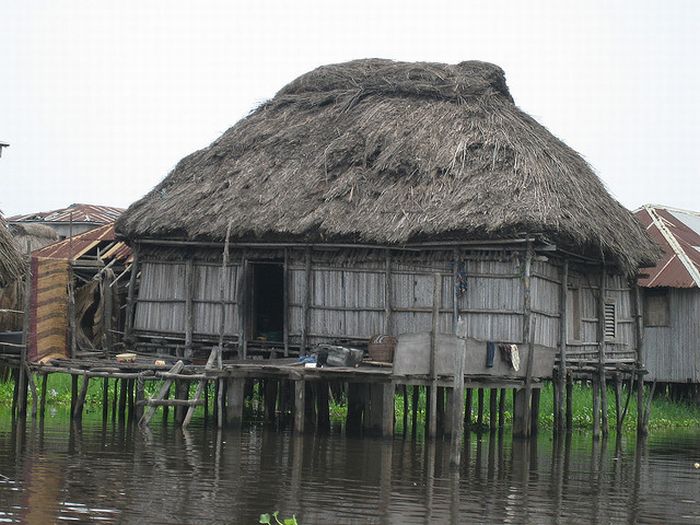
<point x="678" y="234"/>
<point x="102" y="237"/>
<point x="89" y="213"/>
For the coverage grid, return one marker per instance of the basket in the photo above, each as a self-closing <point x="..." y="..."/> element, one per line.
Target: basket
<point x="381" y="348"/>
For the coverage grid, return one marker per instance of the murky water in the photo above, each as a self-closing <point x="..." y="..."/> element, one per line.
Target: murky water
<point x="63" y="473"/>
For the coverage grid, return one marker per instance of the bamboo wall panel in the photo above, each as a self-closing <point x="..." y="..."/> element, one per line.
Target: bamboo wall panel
<point x="48" y="310"/>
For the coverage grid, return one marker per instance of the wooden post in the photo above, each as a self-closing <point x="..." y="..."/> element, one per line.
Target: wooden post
<point x="32" y="387"/>
<point x="270" y="390"/>
<point x="415" y="398"/>
<point x="387" y="409"/>
<point x="182" y="392"/>
<point x="131" y="297"/>
<point x="437" y="295"/>
<point x="639" y="333"/>
<point x="140" y="396"/>
<point x="569" y="401"/>
<point x="130" y="398"/>
<point x="480" y="409"/>
<point x="234" y="401"/>
<point x="441" y="410"/>
<point x="404" y="418"/>
<point x="527" y="335"/>
<point x="22" y="373"/>
<point x="306" y="302"/>
<point x="502" y="409"/>
<point x="387" y="293"/>
<point x="355" y="409"/>
<point x="44" y="386"/>
<point x="105" y="399"/>
<point x="534" y="411"/>
<point x="618" y="402"/>
<point x="115" y="397"/>
<point x="563" y="340"/>
<point x="223" y="282"/>
<point x="455" y="290"/>
<point x="596" y="408"/>
<point x="73" y="394"/>
<point x="285" y="303"/>
<point x="243" y="298"/>
<point x="457" y="412"/>
<point x="520" y="413"/>
<point x="299" y="398"/>
<point x="493" y="410"/>
<point x="468" y="409"/>
<point x="189" y="306"/>
<point x="107" y="314"/>
<point x="322" y="408"/>
<point x="78" y="409"/>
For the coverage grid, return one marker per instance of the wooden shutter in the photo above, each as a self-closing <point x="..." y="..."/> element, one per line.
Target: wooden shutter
<point x="610" y="321"/>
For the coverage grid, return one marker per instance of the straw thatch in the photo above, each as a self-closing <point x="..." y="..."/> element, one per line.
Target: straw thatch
<point x="390" y="152"/>
<point x="32" y="236"/>
<point x="11" y="264"/>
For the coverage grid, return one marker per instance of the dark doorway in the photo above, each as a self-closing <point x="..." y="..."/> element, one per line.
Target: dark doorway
<point x="268" y="301"/>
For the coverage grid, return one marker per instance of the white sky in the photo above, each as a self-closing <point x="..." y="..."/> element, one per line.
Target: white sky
<point x="99" y="100"/>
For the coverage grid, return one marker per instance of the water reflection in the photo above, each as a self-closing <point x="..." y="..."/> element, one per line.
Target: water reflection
<point x="117" y="473"/>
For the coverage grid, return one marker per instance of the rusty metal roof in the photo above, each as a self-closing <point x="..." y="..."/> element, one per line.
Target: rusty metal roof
<point x="678" y="233"/>
<point x="100" y="239"/>
<point x="83" y="213"/>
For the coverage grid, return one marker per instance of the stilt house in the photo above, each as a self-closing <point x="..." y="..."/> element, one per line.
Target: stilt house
<point x="672" y="296"/>
<point x="342" y="197"/>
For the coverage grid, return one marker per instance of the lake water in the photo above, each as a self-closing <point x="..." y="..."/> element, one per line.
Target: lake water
<point x="65" y="473"/>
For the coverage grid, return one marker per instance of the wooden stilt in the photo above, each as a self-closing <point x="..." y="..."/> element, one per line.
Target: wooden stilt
<point x="115" y="398"/>
<point x="569" y="401"/>
<point x="80" y="401"/>
<point x="376" y="409"/>
<point x="468" y="409"/>
<point x="201" y="388"/>
<point x="299" y="402"/>
<point x="502" y="409"/>
<point x="73" y="394"/>
<point x="44" y="388"/>
<point x="447" y="412"/>
<point x="162" y="395"/>
<point x="561" y="419"/>
<point x="322" y="408"/>
<point x="493" y="410"/>
<point x="355" y="406"/>
<point x="404" y="418"/>
<point x="271" y="387"/>
<point x="166" y="396"/>
<point x="182" y="392"/>
<point x="415" y="398"/>
<point x="480" y="409"/>
<point x="457" y="409"/>
<point x="596" y="408"/>
<point x="618" y="402"/>
<point x="140" y="396"/>
<point x="310" y="406"/>
<point x="437" y="300"/>
<point x="206" y="401"/>
<point x="235" y="394"/>
<point x="130" y="398"/>
<point x="105" y="399"/>
<point x="15" y="393"/>
<point x="601" y="351"/>
<point x="440" y="405"/>
<point x="32" y="387"/>
<point x="387" y="407"/>
<point x="520" y="413"/>
<point x="534" y="411"/>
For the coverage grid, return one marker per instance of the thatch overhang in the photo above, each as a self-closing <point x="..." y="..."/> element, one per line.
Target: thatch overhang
<point x="376" y="151"/>
<point x="11" y="262"/>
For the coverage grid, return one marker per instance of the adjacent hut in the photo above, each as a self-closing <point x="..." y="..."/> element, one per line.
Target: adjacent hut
<point x="345" y="194"/>
<point x="10" y="259"/>
<point x="672" y="298"/>
<point x="11" y="270"/>
<point x="32" y="236"/>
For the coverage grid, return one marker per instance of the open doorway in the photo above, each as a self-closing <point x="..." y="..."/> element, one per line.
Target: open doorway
<point x="268" y="301"/>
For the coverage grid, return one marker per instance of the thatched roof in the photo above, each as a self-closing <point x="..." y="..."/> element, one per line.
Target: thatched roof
<point x="11" y="264"/>
<point x="32" y="236"/>
<point x="377" y="151"/>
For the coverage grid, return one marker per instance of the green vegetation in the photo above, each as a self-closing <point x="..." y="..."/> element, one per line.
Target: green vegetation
<point x="665" y="414"/>
<point x="267" y="518"/>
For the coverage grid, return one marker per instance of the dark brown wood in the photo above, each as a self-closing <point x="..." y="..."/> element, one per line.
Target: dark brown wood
<point x="299" y="402"/>
<point x="115" y="397"/>
<point x="468" y="409"/>
<point x="105" y="399"/>
<point x="569" y="401"/>
<point x="44" y="388"/>
<point x="521" y="417"/>
<point x="502" y="409"/>
<point x="618" y="402"/>
<point x="73" y="394"/>
<point x="441" y="411"/>
<point x="493" y="409"/>
<point x="480" y="409"/>
<point x="534" y="411"/>
<point x="182" y="392"/>
<point x="322" y="407"/>
<point x="415" y="398"/>
<point x="596" y="407"/>
<point x="80" y="401"/>
<point x="355" y="409"/>
<point x="404" y="415"/>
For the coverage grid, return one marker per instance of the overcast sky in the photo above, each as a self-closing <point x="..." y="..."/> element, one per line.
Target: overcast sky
<point x="99" y="100"/>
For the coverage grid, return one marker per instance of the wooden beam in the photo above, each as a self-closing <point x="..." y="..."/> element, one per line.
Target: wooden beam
<point x="527" y="338"/>
<point x="285" y="303"/>
<point x="601" y="351"/>
<point x="305" y="304"/>
<point x="131" y="297"/>
<point x="223" y="281"/>
<point x="437" y="297"/>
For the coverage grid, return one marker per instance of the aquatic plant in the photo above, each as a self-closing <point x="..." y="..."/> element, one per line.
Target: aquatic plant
<point x="267" y="518"/>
